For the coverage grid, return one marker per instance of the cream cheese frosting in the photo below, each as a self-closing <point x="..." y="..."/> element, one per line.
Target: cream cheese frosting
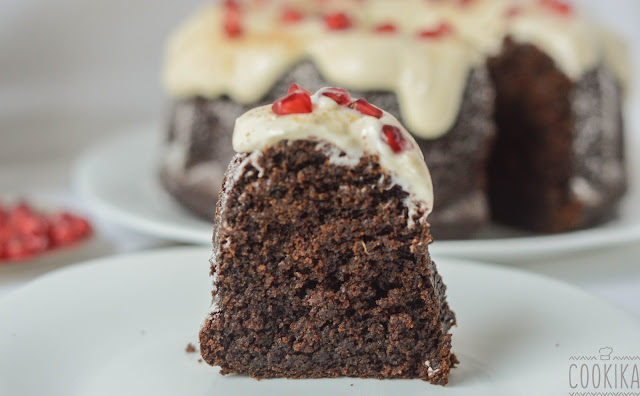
<point x="349" y="130"/>
<point x="428" y="75"/>
<point x="569" y="41"/>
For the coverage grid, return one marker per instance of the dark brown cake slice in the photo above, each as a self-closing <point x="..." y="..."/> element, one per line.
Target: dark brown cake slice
<point x="320" y="263"/>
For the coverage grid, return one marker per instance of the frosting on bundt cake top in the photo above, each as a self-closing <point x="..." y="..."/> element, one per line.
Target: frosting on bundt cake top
<point x="347" y="129"/>
<point x="422" y="50"/>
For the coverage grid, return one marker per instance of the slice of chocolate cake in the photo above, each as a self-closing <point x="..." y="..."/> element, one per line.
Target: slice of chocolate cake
<point x="320" y="256"/>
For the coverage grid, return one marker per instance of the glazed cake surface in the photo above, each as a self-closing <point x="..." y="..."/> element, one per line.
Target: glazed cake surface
<point x="320" y="263"/>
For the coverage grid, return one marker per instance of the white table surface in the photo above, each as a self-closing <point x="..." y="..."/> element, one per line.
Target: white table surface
<point x="73" y="71"/>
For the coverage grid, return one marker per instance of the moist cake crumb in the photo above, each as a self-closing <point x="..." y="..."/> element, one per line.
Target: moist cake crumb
<point x="321" y="267"/>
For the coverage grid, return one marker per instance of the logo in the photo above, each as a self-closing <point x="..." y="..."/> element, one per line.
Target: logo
<point x="605" y="353"/>
<point x="604" y="374"/>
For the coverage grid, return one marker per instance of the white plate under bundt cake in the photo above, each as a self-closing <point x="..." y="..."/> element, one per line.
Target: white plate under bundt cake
<point x="517" y="105"/>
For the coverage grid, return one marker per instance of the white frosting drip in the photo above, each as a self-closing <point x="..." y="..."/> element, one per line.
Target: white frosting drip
<point x="203" y="61"/>
<point x="569" y="41"/>
<point x="617" y="57"/>
<point x="428" y="75"/>
<point x="349" y="130"/>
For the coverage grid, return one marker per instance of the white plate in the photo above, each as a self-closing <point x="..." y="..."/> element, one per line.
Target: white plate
<point x="119" y="179"/>
<point x="120" y="326"/>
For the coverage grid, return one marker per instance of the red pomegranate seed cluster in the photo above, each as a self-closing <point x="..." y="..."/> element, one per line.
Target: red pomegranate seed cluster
<point x="290" y="15"/>
<point x="558" y="6"/>
<point x="439" y="31"/>
<point x="513" y="11"/>
<point x="298" y="101"/>
<point x="386" y="27"/>
<point x="338" y="21"/>
<point x="462" y="3"/>
<point x="395" y="138"/>
<point x="232" y="16"/>
<point x="25" y="233"/>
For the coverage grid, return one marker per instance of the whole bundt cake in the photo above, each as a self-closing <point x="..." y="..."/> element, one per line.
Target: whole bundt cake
<point x="517" y="105"/>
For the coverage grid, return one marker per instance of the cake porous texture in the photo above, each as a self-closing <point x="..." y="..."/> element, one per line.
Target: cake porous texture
<point x="320" y="258"/>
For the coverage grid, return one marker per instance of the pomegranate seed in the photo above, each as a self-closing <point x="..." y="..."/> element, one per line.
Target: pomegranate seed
<point x="290" y="15"/>
<point x="5" y="232"/>
<point x="233" y="29"/>
<point x="513" y="11"/>
<point x="36" y="243"/>
<point x="295" y="88"/>
<point x="337" y="21"/>
<point x="386" y="28"/>
<point x="395" y="138"/>
<point x="25" y="232"/>
<point x="21" y="209"/>
<point x="16" y="249"/>
<point x="231" y="4"/>
<point x="558" y="6"/>
<point x="465" y="3"/>
<point x="61" y="233"/>
<point x="80" y="227"/>
<point x="232" y="24"/>
<point x="30" y="225"/>
<point x="437" y="32"/>
<point x="23" y="220"/>
<point x="366" y="108"/>
<point x="3" y="215"/>
<point x="295" y="103"/>
<point x="339" y="95"/>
